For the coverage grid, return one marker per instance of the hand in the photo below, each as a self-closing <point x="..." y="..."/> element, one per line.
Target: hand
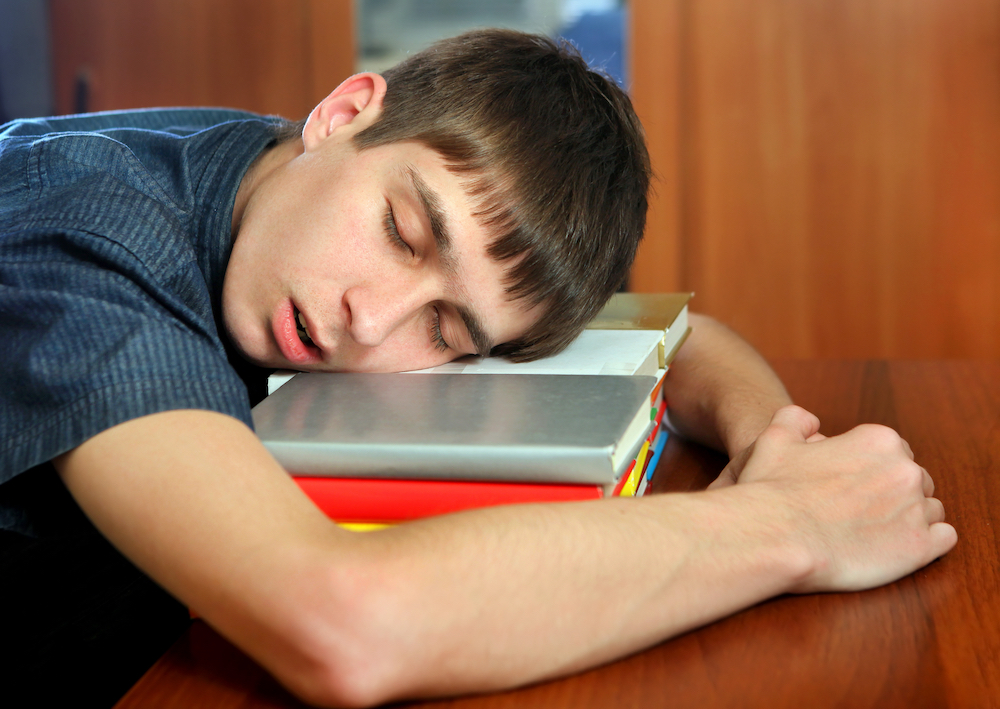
<point x="731" y="473"/>
<point x="860" y="507"/>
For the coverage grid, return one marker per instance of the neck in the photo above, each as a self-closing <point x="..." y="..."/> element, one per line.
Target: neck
<point x="262" y="168"/>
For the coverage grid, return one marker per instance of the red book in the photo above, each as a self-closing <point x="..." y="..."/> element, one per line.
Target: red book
<point x="378" y="500"/>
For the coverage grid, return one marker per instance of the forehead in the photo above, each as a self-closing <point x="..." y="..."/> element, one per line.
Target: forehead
<point x="485" y="194"/>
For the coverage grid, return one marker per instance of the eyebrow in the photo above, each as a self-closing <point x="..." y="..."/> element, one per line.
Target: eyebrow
<point x="431" y="204"/>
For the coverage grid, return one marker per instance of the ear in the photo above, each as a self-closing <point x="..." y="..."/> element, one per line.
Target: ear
<point x="356" y="104"/>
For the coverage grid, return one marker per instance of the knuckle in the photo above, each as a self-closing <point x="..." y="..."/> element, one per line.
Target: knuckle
<point x="937" y="509"/>
<point x="789" y="420"/>
<point x="771" y="436"/>
<point x="908" y="476"/>
<point x="880" y="437"/>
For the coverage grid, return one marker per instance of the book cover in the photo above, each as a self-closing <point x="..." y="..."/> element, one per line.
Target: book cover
<point x="513" y="427"/>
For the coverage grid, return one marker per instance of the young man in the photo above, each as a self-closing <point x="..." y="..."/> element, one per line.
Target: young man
<point x="486" y="196"/>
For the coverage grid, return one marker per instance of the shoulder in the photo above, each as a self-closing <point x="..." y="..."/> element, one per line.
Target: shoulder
<point x="60" y="148"/>
<point x="179" y="121"/>
<point x="150" y="161"/>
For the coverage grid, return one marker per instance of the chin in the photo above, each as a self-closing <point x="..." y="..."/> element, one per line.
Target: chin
<point x="255" y="355"/>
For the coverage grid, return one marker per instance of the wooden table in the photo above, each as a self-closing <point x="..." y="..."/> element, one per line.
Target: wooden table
<point x="929" y="640"/>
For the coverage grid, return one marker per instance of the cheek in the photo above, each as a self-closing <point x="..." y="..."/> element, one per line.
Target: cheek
<point x="432" y="359"/>
<point x="403" y="354"/>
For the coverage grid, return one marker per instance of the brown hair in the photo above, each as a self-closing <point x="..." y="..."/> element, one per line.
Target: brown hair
<point x="554" y="155"/>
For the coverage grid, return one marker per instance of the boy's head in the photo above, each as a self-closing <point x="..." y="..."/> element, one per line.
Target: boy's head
<point x="551" y="151"/>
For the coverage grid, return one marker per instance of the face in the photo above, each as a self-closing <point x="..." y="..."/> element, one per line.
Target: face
<point x="362" y="261"/>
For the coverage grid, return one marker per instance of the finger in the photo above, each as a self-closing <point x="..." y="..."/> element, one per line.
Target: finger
<point x="928" y="483"/>
<point x="933" y="510"/>
<point x="906" y="447"/>
<point x="943" y="538"/>
<point x="797" y="421"/>
<point x="816" y="437"/>
<point x="730" y="475"/>
<point x="725" y="479"/>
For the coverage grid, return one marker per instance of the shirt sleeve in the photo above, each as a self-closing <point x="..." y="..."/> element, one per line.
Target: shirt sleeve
<point x="89" y="339"/>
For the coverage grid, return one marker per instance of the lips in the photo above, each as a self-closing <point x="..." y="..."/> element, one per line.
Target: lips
<point x="292" y="337"/>
<point x="302" y="329"/>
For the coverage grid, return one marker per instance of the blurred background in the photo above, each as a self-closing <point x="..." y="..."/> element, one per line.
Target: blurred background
<point x="828" y="171"/>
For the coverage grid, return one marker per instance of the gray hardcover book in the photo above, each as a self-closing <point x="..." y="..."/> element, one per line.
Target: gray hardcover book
<point x="538" y="428"/>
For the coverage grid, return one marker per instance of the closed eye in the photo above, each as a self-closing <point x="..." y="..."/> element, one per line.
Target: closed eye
<point x="437" y="339"/>
<point x="392" y="231"/>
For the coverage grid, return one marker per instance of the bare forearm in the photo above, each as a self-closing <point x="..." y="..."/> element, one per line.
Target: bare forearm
<point x="721" y="392"/>
<point x="513" y="595"/>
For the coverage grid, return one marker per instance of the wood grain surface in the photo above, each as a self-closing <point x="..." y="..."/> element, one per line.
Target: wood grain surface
<point x="269" y="56"/>
<point x="829" y="170"/>
<point x="931" y="639"/>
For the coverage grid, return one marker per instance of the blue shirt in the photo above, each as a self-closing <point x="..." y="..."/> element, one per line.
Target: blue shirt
<point x="114" y="239"/>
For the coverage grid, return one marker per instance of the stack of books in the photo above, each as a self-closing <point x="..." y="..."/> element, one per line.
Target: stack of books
<point x="377" y="449"/>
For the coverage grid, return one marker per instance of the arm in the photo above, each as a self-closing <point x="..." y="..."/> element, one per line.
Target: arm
<point x="720" y="391"/>
<point x="473" y="601"/>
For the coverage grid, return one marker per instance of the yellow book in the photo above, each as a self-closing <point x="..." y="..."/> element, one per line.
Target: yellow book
<point x="663" y="312"/>
<point x="363" y="526"/>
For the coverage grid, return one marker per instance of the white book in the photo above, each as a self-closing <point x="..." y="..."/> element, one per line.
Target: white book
<point x="594" y="352"/>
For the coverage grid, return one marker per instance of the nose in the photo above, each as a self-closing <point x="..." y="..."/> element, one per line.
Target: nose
<point x="378" y="310"/>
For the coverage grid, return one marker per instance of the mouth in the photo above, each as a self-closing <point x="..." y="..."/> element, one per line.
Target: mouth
<point x="303" y="330"/>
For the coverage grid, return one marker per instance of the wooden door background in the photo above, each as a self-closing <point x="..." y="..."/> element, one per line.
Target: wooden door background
<point x="269" y="56"/>
<point x="829" y="170"/>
